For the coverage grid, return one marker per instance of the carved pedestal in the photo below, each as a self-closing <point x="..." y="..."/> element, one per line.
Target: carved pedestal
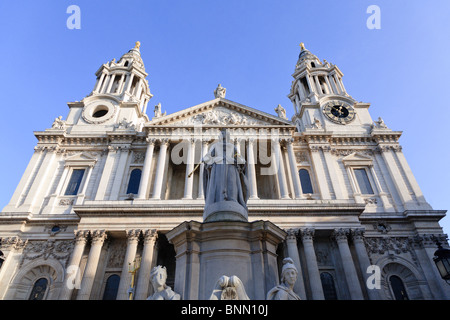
<point x="207" y="251"/>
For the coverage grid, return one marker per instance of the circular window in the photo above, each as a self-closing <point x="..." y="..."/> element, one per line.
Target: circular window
<point x="99" y="112"/>
<point x="56" y="229"/>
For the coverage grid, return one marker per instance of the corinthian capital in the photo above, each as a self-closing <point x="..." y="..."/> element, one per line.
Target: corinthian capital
<point x="307" y="234"/>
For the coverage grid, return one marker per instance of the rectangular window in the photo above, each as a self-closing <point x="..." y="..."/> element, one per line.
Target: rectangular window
<point x="74" y="182"/>
<point x="363" y="181"/>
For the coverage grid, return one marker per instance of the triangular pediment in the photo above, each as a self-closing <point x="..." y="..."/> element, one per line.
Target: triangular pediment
<point x="80" y="159"/>
<point x="357" y="159"/>
<point x="219" y="112"/>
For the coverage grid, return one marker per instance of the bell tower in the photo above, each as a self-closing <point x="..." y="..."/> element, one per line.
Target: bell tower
<point x="320" y="99"/>
<point x="119" y="98"/>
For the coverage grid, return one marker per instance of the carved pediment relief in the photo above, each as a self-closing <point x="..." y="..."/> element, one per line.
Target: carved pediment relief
<point x="220" y="112"/>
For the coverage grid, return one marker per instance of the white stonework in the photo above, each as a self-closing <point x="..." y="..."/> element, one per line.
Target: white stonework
<point x="108" y="185"/>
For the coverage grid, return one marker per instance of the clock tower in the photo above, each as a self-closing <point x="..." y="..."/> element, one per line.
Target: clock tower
<point x="320" y="99"/>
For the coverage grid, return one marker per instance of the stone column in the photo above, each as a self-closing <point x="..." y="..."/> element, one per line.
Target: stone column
<point x="120" y="172"/>
<point x="409" y="175"/>
<point x="363" y="259"/>
<point x="294" y="170"/>
<point x="98" y="238"/>
<point x="111" y="81"/>
<point x="106" y="173"/>
<point x="277" y="159"/>
<point x="253" y="187"/>
<point x="189" y="179"/>
<point x="129" y="82"/>
<point x="330" y="89"/>
<point x="74" y="265"/>
<point x="320" y="171"/>
<point x="396" y="175"/>
<point x="146" y="170"/>
<point x="333" y="85"/>
<point x="130" y="255"/>
<point x="201" y="193"/>
<point x="143" y="283"/>
<point x="160" y="169"/>
<point x="351" y="276"/>
<point x="15" y="246"/>
<point x="311" y="264"/>
<point x="26" y="179"/>
<point x="336" y="178"/>
<point x="291" y="243"/>
<point x="36" y="193"/>
<point x="119" y="87"/>
<point x="100" y="82"/>
<point x="319" y="88"/>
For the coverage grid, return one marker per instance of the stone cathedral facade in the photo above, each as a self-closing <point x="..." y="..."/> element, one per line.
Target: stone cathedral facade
<point x="108" y="184"/>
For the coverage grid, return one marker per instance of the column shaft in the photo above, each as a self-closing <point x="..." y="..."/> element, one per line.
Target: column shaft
<point x="98" y="238"/>
<point x="311" y="264"/>
<point x="291" y="243"/>
<point x="251" y="170"/>
<point x="146" y="170"/>
<point x="160" y="170"/>
<point x="349" y="267"/>
<point x="74" y="265"/>
<point x="142" y="287"/>
<point x="189" y="178"/>
<point x="294" y="171"/>
<point x="130" y="255"/>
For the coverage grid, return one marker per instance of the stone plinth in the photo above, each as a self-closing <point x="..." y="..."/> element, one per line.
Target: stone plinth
<point x="207" y="251"/>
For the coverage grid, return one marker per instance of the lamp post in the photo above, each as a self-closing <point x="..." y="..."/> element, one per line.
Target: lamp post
<point x="442" y="261"/>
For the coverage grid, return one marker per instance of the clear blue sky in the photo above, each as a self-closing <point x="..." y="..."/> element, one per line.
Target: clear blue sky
<point x="250" y="47"/>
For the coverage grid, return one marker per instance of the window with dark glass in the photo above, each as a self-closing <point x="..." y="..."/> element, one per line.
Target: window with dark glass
<point x="111" y="288"/>
<point x="363" y="181"/>
<point x="398" y="288"/>
<point x="305" y="181"/>
<point x="74" y="182"/>
<point x="135" y="180"/>
<point x="329" y="290"/>
<point x="39" y="288"/>
<point x="2" y="258"/>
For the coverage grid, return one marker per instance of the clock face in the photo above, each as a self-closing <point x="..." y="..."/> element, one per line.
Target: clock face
<point x="339" y="112"/>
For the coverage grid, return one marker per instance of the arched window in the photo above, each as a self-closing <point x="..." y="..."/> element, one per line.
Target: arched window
<point x="305" y="180"/>
<point x="39" y="289"/>
<point x="111" y="288"/>
<point x="398" y="288"/>
<point x="135" y="180"/>
<point x="329" y="290"/>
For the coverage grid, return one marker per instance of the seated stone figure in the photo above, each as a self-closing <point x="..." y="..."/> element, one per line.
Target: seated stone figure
<point x="284" y="291"/>
<point x="158" y="278"/>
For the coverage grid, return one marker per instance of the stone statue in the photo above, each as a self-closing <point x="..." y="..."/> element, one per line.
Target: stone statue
<point x="281" y="111"/>
<point x="158" y="278"/>
<point x="220" y="92"/>
<point x="225" y="183"/>
<point x="158" y="111"/>
<point x="229" y="288"/>
<point x="284" y="291"/>
<point x="59" y="123"/>
<point x="380" y="124"/>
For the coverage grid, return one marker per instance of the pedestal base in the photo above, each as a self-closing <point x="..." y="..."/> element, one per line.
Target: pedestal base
<point x="207" y="251"/>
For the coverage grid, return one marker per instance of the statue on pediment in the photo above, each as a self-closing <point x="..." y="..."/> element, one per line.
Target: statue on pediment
<point x="220" y="92"/>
